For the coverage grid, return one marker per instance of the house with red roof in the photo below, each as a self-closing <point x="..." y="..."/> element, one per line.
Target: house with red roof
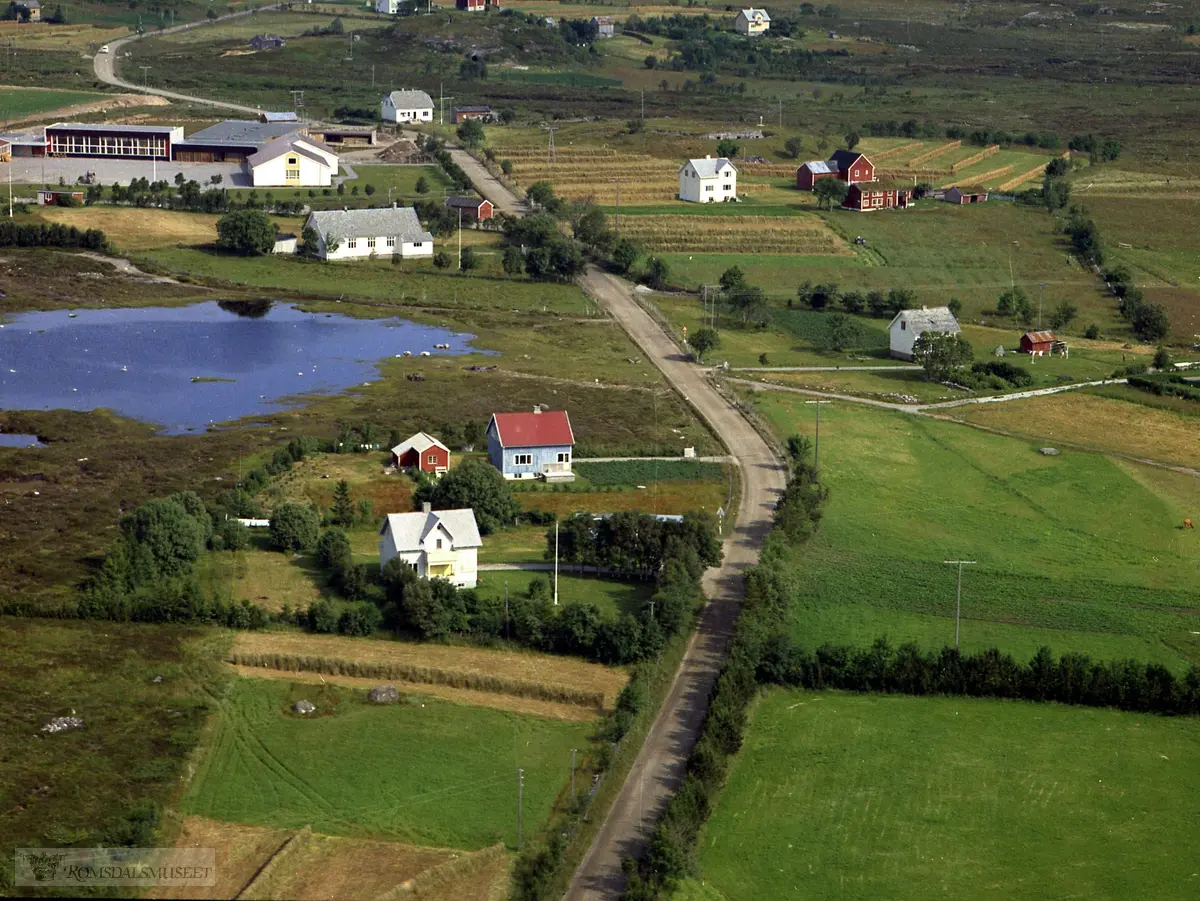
<point x="535" y="445"/>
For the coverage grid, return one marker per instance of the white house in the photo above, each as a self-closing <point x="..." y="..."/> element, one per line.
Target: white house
<point x="437" y="545"/>
<point x="752" y="21"/>
<point x="387" y="7"/>
<point x="350" y="234"/>
<point x="708" y="180"/>
<point x="292" y="160"/>
<point x="406" y="106"/>
<point x="910" y="324"/>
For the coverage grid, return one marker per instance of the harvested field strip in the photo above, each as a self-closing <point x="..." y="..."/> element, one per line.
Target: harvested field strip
<point x="1022" y="178"/>
<point x="972" y="160"/>
<point x="890" y="172"/>
<point x="449" y="874"/>
<point x="483" y="669"/>
<point x="983" y="177"/>
<point x="762" y="234"/>
<point x="783" y="170"/>
<point x="280" y="866"/>
<point x="937" y="151"/>
<point x="897" y="151"/>
<point x="242" y="852"/>
<point x="470" y="697"/>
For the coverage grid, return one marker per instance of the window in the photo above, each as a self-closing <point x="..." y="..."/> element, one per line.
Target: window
<point x="856" y="173"/>
<point x="352" y="243"/>
<point x="293" y="161"/>
<point x="903" y="325"/>
<point x="431" y="459"/>
<point x="439" y="544"/>
<point x="564" y="458"/>
<point x="708" y="187"/>
<point x="292" y="175"/>
<point x="728" y="188"/>
<point x="391" y="242"/>
<point x="418" y="245"/>
<point x="371" y="243"/>
<point x="522" y="459"/>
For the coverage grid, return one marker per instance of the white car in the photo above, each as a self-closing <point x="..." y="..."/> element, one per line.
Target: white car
<point x="104" y="49"/>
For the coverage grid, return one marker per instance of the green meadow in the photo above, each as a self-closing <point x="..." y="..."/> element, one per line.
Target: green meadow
<point x="424" y="771"/>
<point x="1080" y="551"/>
<point x="854" y="797"/>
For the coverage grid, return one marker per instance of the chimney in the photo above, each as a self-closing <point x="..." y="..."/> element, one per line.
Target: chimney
<point x="426" y="507"/>
<point x="395" y="204"/>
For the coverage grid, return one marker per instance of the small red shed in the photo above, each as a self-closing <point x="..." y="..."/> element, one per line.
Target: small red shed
<point x="472" y="207"/>
<point x="423" y="452"/>
<point x="811" y="172"/>
<point x="877" y="195"/>
<point x="1037" y="343"/>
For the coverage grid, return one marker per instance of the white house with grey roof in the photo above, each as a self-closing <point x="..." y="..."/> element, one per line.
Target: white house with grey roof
<point x="441" y="544"/>
<point x="751" y="22"/>
<point x="708" y="180"/>
<point x="353" y="234"/>
<point x="293" y="160"/>
<point x="910" y="324"/>
<point x="406" y="106"/>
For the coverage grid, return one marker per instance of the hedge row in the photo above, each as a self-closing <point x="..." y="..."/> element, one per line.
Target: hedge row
<point x="13" y="234"/>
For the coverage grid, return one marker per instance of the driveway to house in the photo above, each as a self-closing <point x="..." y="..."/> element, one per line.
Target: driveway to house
<point x="659" y="766"/>
<point x="503" y="200"/>
<point x="105" y="65"/>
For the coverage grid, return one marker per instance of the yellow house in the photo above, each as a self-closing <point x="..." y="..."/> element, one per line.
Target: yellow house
<point x="752" y="22"/>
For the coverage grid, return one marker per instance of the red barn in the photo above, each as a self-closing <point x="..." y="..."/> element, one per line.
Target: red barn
<point x="845" y="165"/>
<point x="472" y="207"/>
<point x="963" y="194"/>
<point x="876" y="195"/>
<point x="1037" y="343"/>
<point x="423" y="452"/>
<point x="811" y="172"/>
<point x="470" y="5"/>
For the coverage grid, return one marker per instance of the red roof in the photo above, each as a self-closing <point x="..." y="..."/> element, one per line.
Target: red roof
<point x="1039" y="337"/>
<point x="549" y="429"/>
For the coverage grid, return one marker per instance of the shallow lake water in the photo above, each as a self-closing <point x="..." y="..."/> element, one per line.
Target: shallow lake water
<point x="11" y="440"/>
<point x="185" y="368"/>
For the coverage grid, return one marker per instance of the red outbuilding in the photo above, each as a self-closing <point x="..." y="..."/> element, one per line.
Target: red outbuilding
<point x="877" y="195"/>
<point x="1037" y="343"/>
<point x="844" y="165"/>
<point x="423" y="452"/>
<point x="472" y="207"/>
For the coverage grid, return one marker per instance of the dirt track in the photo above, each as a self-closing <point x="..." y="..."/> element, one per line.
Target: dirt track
<point x="659" y="766"/>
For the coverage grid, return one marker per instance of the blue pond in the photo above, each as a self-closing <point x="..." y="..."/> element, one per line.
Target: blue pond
<point x="156" y="364"/>
<point x="10" y="440"/>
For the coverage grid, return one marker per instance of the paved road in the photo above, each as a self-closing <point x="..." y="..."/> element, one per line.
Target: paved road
<point x="105" y="66"/>
<point x="659" y="766"/>
<point x="503" y="200"/>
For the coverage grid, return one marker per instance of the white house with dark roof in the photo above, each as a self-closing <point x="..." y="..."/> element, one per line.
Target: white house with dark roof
<point x="293" y="160"/>
<point x="441" y="544"/>
<point x="352" y="234"/>
<point x="908" y="325"/>
<point x="708" y="180"/>
<point x="406" y="106"/>
<point x="751" y="22"/>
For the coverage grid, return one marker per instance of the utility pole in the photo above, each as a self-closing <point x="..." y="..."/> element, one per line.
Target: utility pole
<point x="817" y="444"/>
<point x="618" y="217"/>
<point x="145" y="74"/>
<point x="372" y="76"/>
<point x="506" y="608"/>
<point x="958" y="604"/>
<point x="556" y="563"/>
<point x="643" y="104"/>
<point x="781" y="114"/>
<point x="10" y="203"/>
<point x="652" y="609"/>
<point x="520" y="806"/>
<point x="1041" y="290"/>
<point x="460" y="237"/>
<point x="573" y="778"/>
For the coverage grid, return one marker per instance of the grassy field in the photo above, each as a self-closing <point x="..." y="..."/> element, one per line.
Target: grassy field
<point x="81" y="787"/>
<point x="1081" y="551"/>
<point x="17" y="103"/>
<point x="131" y="229"/>
<point x="450" y="770"/>
<point x="860" y="797"/>
<point x="613" y="597"/>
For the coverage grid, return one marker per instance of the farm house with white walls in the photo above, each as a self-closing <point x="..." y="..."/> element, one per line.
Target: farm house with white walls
<point x="292" y="161"/>
<point x="708" y="180"/>
<point x="354" y="234"/>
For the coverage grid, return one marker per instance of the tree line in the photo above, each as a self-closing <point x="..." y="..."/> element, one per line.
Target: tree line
<point x="14" y="234"/>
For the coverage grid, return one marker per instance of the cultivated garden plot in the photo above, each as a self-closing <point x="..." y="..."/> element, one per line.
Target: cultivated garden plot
<point x="862" y="797"/>
<point x="1080" y="551"/>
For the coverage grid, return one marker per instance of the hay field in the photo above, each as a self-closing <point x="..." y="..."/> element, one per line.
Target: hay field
<point x="44" y="36"/>
<point x="913" y="799"/>
<point x="263" y="576"/>
<point x="799" y="234"/>
<point x="261" y="862"/>
<point x="1102" y="423"/>
<point x="131" y="229"/>
<point x="593" y="174"/>
<point x="564" y="674"/>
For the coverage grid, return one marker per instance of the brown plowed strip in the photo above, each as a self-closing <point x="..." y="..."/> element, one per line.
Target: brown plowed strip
<point x="241" y="852"/>
<point x="530" y="706"/>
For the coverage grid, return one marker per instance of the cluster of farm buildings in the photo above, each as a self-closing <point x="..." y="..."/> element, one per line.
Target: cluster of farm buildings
<point x="712" y="180"/>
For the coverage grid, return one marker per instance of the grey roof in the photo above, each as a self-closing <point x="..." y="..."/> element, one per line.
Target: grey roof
<point x="411" y="100"/>
<point x="472" y="109"/>
<point x="293" y="143"/>
<point x="279" y="117"/>
<point x="105" y="126"/>
<point x="820" y="167"/>
<point x="241" y="132"/>
<point x="419" y="442"/>
<point x="929" y="319"/>
<point x="710" y="168"/>
<point x="410" y="529"/>
<point x="465" y="203"/>
<point x="749" y="13"/>
<point x="390" y="222"/>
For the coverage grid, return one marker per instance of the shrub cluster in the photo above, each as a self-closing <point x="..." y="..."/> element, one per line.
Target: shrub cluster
<point x="1169" y="384"/>
<point x="13" y="234"/>
<point x="1149" y="320"/>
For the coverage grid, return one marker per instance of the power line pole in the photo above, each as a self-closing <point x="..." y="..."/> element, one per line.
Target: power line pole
<point x="817" y="444"/>
<point x="643" y="104"/>
<point x="958" y="604"/>
<point x="520" y="806"/>
<point x="556" y="563"/>
<point x="1041" y="290"/>
<point x="145" y="74"/>
<point x="573" y="778"/>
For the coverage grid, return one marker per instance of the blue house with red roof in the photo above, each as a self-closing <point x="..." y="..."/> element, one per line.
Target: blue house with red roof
<point x="535" y="445"/>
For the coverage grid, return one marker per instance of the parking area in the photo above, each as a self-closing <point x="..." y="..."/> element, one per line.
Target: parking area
<point x="42" y="170"/>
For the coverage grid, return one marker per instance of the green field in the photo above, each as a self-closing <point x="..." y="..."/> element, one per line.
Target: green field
<point x="91" y="785"/>
<point x="864" y="797"/>
<point x="611" y="596"/>
<point x="16" y="104"/>
<point x="1081" y="552"/>
<point x="638" y="472"/>
<point x="423" y="771"/>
